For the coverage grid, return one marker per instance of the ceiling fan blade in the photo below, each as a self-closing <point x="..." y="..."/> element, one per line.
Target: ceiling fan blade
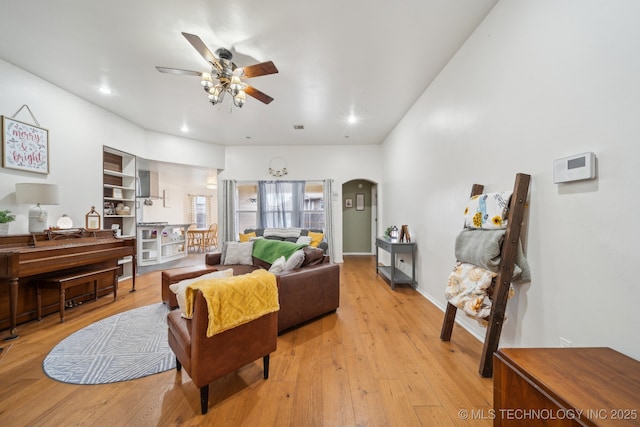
<point x="178" y="71"/>
<point x="202" y="48"/>
<point x="261" y="69"/>
<point x="260" y="96"/>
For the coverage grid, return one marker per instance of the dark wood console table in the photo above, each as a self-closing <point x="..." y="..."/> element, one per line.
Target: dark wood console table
<point x="565" y="387"/>
<point x="390" y="272"/>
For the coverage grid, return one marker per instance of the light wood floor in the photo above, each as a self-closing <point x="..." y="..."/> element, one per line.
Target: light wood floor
<point x="377" y="362"/>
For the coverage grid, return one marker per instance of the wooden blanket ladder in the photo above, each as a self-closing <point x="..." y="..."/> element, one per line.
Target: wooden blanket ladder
<point x="502" y="280"/>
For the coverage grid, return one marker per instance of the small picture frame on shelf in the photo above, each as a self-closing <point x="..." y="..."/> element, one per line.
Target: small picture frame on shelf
<point x="109" y="208"/>
<point x="117" y="193"/>
<point x="404" y="234"/>
<point x="92" y="219"/>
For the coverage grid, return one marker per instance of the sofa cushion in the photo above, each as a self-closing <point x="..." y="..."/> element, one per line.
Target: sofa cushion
<point x="278" y="265"/>
<point x="316" y="238"/>
<point x="180" y="288"/>
<point x="312" y="256"/>
<point x="245" y="237"/>
<point x="237" y="253"/>
<point x="282" y="233"/>
<point x="304" y="240"/>
<point x="295" y="261"/>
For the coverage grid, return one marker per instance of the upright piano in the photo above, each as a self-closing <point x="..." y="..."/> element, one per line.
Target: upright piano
<point x="25" y="258"/>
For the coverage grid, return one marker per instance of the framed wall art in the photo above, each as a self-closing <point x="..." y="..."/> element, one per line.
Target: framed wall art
<point x="24" y="146"/>
<point x="348" y="203"/>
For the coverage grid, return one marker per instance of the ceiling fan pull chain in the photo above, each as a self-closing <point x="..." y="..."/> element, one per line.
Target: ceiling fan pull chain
<point x="29" y="110"/>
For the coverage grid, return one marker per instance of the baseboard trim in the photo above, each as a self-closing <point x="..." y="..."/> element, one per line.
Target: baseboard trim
<point x="464" y="325"/>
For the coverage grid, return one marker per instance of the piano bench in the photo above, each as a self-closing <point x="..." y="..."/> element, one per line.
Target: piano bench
<point x="75" y="278"/>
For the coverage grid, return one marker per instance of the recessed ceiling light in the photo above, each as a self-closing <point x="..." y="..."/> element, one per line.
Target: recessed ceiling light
<point x="184" y="128"/>
<point x="352" y="119"/>
<point x="105" y="90"/>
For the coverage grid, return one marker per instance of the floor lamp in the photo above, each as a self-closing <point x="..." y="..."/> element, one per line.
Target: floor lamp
<point x="40" y="194"/>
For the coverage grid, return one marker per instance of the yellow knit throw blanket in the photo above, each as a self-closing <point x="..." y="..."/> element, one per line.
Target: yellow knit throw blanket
<point x="233" y="301"/>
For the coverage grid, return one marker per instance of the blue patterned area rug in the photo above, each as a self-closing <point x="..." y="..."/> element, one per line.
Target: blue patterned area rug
<point x="122" y="347"/>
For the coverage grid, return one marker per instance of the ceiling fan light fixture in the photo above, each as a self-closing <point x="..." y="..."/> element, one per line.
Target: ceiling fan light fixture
<point x="239" y="99"/>
<point x="215" y="94"/>
<point x="206" y="81"/>
<point x="236" y="85"/>
<point x="224" y="75"/>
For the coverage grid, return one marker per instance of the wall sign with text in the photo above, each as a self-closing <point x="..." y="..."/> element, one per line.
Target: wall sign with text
<point x="24" y="146"/>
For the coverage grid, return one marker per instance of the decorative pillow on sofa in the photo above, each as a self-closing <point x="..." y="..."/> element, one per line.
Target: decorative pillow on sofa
<point x="316" y="238"/>
<point x="278" y="265"/>
<point x="304" y="240"/>
<point x="180" y="288"/>
<point x="295" y="261"/>
<point x="237" y="253"/>
<point x="282" y="233"/>
<point x="247" y="237"/>
<point x="487" y="211"/>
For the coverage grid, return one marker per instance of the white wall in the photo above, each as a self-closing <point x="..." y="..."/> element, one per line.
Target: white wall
<point x="340" y="163"/>
<point x="77" y="132"/>
<point x="537" y="81"/>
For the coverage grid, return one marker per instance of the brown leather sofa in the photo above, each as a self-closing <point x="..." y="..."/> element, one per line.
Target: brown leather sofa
<point x="304" y="294"/>
<point x="207" y="359"/>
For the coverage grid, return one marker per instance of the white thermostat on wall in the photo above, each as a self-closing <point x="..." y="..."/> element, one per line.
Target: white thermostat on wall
<point x="574" y="168"/>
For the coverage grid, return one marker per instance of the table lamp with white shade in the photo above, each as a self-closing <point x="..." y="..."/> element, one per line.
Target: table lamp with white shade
<point x="40" y="194"/>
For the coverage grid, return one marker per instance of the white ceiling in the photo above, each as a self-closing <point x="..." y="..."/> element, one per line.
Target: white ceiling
<point x="372" y="59"/>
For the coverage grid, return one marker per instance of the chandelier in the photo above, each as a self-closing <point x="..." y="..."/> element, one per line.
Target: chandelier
<point x="227" y="81"/>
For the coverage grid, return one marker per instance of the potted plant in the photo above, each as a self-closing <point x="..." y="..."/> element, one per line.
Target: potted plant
<point x="5" y="218"/>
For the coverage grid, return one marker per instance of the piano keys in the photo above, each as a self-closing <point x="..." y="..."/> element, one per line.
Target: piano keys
<point x="24" y="258"/>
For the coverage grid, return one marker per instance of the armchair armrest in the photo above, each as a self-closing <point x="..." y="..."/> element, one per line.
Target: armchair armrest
<point x="307" y="293"/>
<point x="213" y="258"/>
<point x="175" y="275"/>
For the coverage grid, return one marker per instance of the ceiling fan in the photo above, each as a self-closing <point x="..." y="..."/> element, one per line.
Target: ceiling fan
<point x="225" y="76"/>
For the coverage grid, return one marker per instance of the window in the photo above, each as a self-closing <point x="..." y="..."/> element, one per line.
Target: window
<point x="246" y="205"/>
<point x="312" y="211"/>
<point x="200" y="210"/>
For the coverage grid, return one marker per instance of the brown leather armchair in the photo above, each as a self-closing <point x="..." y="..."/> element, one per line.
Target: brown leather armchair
<point x="207" y="359"/>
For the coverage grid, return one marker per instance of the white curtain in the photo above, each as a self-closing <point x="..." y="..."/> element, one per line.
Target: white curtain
<point x="192" y="212"/>
<point x="280" y="204"/>
<point x="227" y="230"/>
<point x="328" y="215"/>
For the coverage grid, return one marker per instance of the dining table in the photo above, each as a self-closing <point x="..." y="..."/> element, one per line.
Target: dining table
<point x="196" y="238"/>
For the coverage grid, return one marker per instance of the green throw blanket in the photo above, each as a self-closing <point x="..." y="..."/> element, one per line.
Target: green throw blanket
<point x="269" y="250"/>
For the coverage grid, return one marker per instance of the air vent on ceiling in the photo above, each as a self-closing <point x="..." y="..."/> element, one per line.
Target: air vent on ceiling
<point x="298" y="127"/>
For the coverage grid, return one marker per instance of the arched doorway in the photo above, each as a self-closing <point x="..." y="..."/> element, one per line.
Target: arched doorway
<point x="359" y="216"/>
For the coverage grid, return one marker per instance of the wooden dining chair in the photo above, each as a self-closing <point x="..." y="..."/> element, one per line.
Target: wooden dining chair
<point x="211" y="237"/>
<point x="193" y="242"/>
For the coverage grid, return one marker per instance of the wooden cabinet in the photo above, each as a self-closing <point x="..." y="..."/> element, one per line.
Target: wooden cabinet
<point x="119" y="197"/>
<point x="565" y="387"/>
